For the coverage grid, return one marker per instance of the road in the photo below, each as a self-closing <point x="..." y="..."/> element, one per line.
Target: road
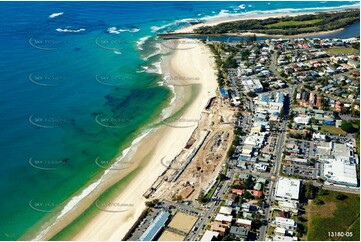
<point x="205" y="218"/>
<point x="336" y="188"/>
<point x="275" y="172"/>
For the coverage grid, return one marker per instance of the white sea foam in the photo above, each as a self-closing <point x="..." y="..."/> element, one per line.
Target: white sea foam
<point x="225" y="13"/>
<point x="157" y="28"/>
<point x="155" y="68"/>
<point x="143" y="69"/>
<point x="54" y="15"/>
<point x="127" y="150"/>
<point x="117" y="52"/>
<point x="75" y="200"/>
<point x="115" y="30"/>
<point x="172" y="24"/>
<point x="156" y="52"/>
<point x="141" y="42"/>
<point x="70" y="30"/>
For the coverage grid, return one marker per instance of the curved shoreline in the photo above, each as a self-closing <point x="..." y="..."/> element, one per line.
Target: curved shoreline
<point x="166" y="143"/>
<point x="163" y="141"/>
<point x="220" y="20"/>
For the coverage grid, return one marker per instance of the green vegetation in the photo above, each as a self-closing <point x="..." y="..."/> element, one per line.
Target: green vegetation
<point x="341" y="50"/>
<point x="308" y="23"/>
<point x="293" y="23"/>
<point x="355" y="229"/>
<point x="334" y="215"/>
<point x="207" y="196"/>
<point x="152" y="203"/>
<point x="332" y="129"/>
<point x="350" y="127"/>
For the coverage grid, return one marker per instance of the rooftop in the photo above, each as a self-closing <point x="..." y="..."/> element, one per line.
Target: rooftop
<point x="288" y="189"/>
<point x="209" y="235"/>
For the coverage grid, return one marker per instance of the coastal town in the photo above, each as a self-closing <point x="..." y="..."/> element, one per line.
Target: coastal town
<point x="180" y="120"/>
<point x="276" y="148"/>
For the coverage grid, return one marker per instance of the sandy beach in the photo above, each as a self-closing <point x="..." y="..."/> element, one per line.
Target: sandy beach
<point x="189" y="64"/>
<point x="217" y="21"/>
<point x="190" y="29"/>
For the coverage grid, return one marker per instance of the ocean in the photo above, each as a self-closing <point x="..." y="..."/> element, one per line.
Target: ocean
<point x="79" y="83"/>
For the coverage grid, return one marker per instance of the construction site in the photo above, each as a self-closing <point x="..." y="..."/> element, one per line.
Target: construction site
<point x="200" y="161"/>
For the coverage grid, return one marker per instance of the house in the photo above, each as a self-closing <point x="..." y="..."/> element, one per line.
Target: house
<point x="237" y="191"/>
<point x="239" y="232"/>
<point x="256" y="193"/>
<point x="210" y="236"/>
<point x="258" y="186"/>
<point x="285" y="223"/>
<point x="284" y="238"/>
<point x="219" y="227"/>
<point x="224" y="218"/>
<point x="244" y="223"/>
<point x="225" y="210"/>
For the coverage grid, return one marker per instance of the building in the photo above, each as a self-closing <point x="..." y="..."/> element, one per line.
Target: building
<point x="287" y="189"/>
<point x="219" y="227"/>
<point x="210" y="236"/>
<point x="225" y="210"/>
<point x="224" y="218"/>
<point x="280" y="231"/>
<point x="340" y="170"/>
<point x="271" y="104"/>
<point x="284" y="238"/>
<point x="155" y="227"/>
<point x="285" y="223"/>
<point x="239" y="232"/>
<point x="302" y="119"/>
<point x="252" y="85"/>
<point x="339" y="165"/>
<point x="244" y="223"/>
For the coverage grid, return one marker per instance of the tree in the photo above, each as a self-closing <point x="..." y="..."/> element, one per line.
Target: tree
<point x="318" y="201"/>
<point x="251" y="94"/>
<point x="341" y="197"/>
<point x="282" y="113"/>
<point x="309" y="191"/>
<point x="247" y="195"/>
<point x="152" y="203"/>
<point x="348" y="127"/>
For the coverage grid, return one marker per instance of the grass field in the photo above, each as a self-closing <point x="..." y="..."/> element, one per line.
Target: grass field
<point x="334" y="216"/>
<point x="293" y="23"/>
<point x="332" y="129"/>
<point x="341" y="50"/>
